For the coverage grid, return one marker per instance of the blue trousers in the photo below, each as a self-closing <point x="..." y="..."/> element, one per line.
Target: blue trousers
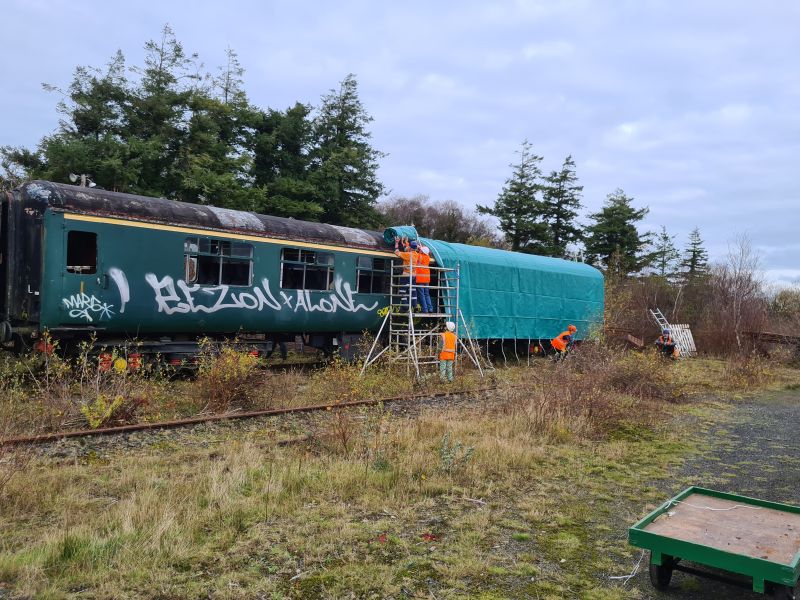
<point x="424" y="293"/>
<point x="405" y="280"/>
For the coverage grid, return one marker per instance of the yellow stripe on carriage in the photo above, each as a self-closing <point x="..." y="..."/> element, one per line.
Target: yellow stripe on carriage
<point x="222" y="234"/>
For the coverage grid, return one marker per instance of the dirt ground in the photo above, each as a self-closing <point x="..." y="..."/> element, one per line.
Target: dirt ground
<point x="756" y="452"/>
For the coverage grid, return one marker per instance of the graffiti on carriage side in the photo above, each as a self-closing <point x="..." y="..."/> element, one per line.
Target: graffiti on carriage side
<point x="179" y="297"/>
<point x="118" y="277"/>
<point x="87" y="307"/>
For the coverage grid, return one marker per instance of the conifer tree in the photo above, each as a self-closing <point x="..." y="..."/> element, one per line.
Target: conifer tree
<point x="282" y="162"/>
<point x="665" y="255"/>
<point x="344" y="163"/>
<point x="214" y="160"/>
<point x="613" y="240"/>
<point x="519" y="206"/>
<point x="695" y="256"/>
<point x="561" y="202"/>
<point x="91" y="134"/>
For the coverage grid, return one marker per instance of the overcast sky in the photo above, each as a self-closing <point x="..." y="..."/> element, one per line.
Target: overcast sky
<point x="691" y="107"/>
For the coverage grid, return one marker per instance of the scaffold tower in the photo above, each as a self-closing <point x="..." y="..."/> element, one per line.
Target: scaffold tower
<point x="412" y="335"/>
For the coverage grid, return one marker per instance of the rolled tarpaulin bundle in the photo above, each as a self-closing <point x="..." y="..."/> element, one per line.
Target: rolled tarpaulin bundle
<point x="399" y="231"/>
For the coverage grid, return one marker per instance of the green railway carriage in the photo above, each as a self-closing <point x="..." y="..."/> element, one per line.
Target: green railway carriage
<point x="79" y="260"/>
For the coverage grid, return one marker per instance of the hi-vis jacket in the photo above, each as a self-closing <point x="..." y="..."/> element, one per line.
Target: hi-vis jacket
<point x="560" y="341"/>
<point x="448" y="346"/>
<point x="423" y="272"/>
<point x="410" y="257"/>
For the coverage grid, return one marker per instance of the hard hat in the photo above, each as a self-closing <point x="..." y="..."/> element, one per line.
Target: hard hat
<point x="572" y="328"/>
<point x="666" y="331"/>
<point x="425" y="250"/>
<point x="413" y="245"/>
<point x="450" y="326"/>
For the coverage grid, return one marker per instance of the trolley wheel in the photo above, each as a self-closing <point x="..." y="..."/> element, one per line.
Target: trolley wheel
<point x="660" y="575"/>
<point x="784" y="592"/>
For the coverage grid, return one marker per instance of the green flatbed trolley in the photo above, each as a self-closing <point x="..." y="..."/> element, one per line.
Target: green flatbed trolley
<point x="752" y="538"/>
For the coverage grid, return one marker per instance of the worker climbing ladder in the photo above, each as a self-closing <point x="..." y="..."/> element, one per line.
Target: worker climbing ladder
<point x="681" y="333"/>
<point x="413" y="336"/>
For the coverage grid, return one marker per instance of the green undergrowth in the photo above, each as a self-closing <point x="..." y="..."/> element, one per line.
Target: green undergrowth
<point x="523" y="498"/>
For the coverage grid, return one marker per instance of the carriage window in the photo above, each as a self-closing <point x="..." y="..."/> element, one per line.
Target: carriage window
<point x="306" y="270"/>
<point x="81" y="252"/>
<point x="373" y="275"/>
<point x="217" y="262"/>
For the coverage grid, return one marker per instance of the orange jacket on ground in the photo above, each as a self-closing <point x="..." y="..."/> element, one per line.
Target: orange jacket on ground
<point x="408" y="258"/>
<point x="423" y="272"/>
<point x="448" y="346"/>
<point x="559" y="342"/>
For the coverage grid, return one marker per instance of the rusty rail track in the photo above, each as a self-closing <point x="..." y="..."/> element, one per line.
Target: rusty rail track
<point x="55" y="436"/>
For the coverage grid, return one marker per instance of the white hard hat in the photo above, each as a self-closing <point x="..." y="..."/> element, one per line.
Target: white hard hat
<point x="425" y="250"/>
<point x="450" y="326"/>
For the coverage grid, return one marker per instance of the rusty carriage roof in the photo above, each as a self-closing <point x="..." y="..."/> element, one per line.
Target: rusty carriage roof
<point x="160" y="211"/>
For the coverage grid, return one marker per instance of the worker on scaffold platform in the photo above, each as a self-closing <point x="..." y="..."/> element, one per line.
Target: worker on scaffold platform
<point x="410" y="259"/>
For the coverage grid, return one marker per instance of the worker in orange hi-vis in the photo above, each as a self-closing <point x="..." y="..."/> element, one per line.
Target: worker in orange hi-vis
<point x="410" y="258"/>
<point x="447" y="356"/>
<point x="562" y="341"/>
<point x="424" y="279"/>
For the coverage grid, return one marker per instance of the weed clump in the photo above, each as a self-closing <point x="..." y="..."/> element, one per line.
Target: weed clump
<point x="227" y="377"/>
<point x="593" y="392"/>
<point x="746" y="371"/>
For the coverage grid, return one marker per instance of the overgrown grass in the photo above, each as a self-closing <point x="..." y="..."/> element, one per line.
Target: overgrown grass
<point x="527" y="496"/>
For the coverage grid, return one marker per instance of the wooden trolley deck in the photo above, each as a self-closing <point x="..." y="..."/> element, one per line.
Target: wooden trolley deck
<point x="751" y="537"/>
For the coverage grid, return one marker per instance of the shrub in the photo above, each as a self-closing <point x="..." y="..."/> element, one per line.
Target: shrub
<point x="227" y="377"/>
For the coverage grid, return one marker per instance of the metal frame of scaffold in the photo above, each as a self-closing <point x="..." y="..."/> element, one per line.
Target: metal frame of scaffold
<point x="413" y="335"/>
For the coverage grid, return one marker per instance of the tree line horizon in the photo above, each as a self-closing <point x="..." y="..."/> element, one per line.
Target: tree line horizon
<point x="167" y="129"/>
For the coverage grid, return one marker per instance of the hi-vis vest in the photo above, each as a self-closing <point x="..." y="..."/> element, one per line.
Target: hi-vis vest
<point x="409" y="258"/>
<point x="423" y="272"/>
<point x="558" y="342"/>
<point x="449" y="347"/>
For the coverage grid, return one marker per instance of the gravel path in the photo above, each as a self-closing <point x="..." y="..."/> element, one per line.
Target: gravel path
<point x="755" y="452"/>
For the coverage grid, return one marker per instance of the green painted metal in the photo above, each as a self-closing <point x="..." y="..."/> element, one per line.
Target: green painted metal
<point x="139" y="286"/>
<point x="760" y="570"/>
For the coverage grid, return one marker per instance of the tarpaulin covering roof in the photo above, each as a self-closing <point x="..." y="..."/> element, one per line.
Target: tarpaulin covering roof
<point x="512" y="295"/>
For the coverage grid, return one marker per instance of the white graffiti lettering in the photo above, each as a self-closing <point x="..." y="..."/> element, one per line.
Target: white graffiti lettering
<point x="118" y="277"/>
<point x="179" y="297"/>
<point x="83" y="306"/>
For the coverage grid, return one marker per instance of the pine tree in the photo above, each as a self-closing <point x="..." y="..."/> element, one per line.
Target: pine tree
<point x="665" y="255"/>
<point x="695" y="257"/>
<point x="215" y="157"/>
<point x="91" y="133"/>
<point x="613" y="240"/>
<point x="561" y="202"/>
<point x="345" y="164"/>
<point x="282" y="163"/>
<point x="519" y="207"/>
<point x="156" y="127"/>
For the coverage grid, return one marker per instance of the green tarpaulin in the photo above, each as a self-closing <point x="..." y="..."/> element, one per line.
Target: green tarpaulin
<point x="511" y="295"/>
<point x="403" y="230"/>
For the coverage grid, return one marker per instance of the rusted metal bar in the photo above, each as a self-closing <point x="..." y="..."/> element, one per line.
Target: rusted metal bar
<point x="51" y="437"/>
